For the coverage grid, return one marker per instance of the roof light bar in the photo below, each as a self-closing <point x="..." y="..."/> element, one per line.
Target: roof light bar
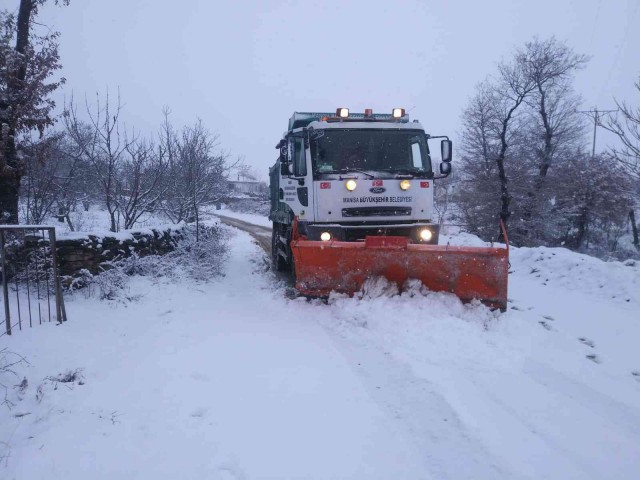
<point x="302" y="119"/>
<point x="397" y="113"/>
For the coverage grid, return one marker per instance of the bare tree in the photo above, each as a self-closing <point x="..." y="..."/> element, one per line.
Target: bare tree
<point x="551" y="66"/>
<point x="196" y="170"/>
<point x="55" y="181"/>
<point x="512" y="89"/>
<point x="139" y="186"/>
<point x="490" y="127"/>
<point x="626" y="126"/>
<point x="477" y="196"/>
<point x="39" y="192"/>
<point x="101" y="142"/>
<point x="127" y="169"/>
<point x="556" y="129"/>
<point x="479" y="127"/>
<point x="25" y="102"/>
<point x="516" y="128"/>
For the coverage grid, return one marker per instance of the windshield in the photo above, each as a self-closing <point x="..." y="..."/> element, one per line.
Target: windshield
<point x="334" y="151"/>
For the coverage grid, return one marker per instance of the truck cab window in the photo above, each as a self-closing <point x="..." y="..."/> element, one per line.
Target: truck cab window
<point x="296" y="145"/>
<point x="416" y="155"/>
<point x="387" y="150"/>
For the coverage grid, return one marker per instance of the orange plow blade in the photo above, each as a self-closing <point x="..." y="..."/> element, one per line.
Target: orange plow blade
<point x="468" y="272"/>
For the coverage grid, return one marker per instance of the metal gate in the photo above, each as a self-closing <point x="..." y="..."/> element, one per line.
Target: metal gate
<point x="30" y="277"/>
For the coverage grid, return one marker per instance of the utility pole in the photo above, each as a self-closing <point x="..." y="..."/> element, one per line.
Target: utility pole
<point x="595" y="114"/>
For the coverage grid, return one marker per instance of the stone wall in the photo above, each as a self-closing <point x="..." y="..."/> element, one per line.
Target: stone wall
<point x="90" y="251"/>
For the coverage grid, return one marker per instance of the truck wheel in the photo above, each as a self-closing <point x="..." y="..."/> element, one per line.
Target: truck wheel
<point x="278" y="262"/>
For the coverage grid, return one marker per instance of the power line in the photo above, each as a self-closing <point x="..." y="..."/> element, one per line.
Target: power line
<point x="595" y="115"/>
<point x="595" y="24"/>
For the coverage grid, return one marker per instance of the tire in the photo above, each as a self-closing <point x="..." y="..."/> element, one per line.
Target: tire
<point x="278" y="263"/>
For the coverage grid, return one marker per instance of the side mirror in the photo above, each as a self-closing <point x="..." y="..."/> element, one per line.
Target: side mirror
<point x="284" y="161"/>
<point x="445" y="168"/>
<point x="446" y="147"/>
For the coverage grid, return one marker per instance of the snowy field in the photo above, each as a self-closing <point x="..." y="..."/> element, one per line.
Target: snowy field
<point x="232" y="380"/>
<point x="96" y="220"/>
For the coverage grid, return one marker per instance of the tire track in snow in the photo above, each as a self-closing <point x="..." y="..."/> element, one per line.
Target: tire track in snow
<point x="423" y="415"/>
<point x="261" y="234"/>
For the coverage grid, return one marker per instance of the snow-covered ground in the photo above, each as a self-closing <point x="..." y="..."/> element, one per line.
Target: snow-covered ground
<point x="231" y="379"/>
<point x="96" y="220"/>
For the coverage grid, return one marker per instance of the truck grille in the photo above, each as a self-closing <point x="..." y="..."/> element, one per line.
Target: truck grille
<point x="359" y="234"/>
<point x="376" y="211"/>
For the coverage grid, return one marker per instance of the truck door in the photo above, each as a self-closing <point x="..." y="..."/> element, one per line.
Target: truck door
<point x="298" y="188"/>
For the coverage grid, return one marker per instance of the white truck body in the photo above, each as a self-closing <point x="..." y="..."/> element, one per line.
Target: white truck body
<point x="309" y="181"/>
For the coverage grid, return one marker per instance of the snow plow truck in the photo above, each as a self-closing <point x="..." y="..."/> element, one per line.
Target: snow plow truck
<point x="352" y="198"/>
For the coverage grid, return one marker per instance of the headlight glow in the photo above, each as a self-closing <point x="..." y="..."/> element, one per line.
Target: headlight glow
<point x="405" y="184"/>
<point x="325" y="236"/>
<point x="351" y="185"/>
<point x="425" y="234"/>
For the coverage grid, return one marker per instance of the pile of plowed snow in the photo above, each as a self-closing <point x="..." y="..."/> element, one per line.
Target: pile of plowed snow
<point x="561" y="268"/>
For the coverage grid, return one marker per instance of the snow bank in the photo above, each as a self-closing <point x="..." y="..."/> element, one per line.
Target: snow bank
<point x="562" y="268"/>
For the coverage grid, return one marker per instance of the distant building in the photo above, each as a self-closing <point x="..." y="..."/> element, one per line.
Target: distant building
<point x="247" y="187"/>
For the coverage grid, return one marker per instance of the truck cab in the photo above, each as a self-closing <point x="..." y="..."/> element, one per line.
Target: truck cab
<point x="345" y="176"/>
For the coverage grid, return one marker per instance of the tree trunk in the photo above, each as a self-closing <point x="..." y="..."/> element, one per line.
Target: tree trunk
<point x="531" y="206"/>
<point x="634" y="229"/>
<point x="9" y="186"/>
<point x="505" y="198"/>
<point x="112" y="217"/>
<point x="11" y="170"/>
<point x="581" y="238"/>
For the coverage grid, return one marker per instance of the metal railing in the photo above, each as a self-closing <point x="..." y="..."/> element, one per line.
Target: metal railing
<point x="30" y="276"/>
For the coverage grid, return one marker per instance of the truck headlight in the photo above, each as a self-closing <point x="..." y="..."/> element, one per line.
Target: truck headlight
<point x="351" y="185"/>
<point x="325" y="236"/>
<point x="405" y="184"/>
<point x="426" y="234"/>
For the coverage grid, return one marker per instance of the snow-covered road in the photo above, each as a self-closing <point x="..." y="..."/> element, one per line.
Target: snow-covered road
<point x="232" y="380"/>
<point x="221" y="381"/>
<point x="260" y="233"/>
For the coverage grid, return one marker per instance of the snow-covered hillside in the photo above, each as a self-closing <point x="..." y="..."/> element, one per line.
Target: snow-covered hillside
<point x="230" y="379"/>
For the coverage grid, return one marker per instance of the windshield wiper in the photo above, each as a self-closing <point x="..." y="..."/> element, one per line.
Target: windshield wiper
<point x="347" y="170"/>
<point x="406" y="171"/>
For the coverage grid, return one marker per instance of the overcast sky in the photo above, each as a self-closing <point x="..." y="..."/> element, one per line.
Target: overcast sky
<point x="245" y="66"/>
